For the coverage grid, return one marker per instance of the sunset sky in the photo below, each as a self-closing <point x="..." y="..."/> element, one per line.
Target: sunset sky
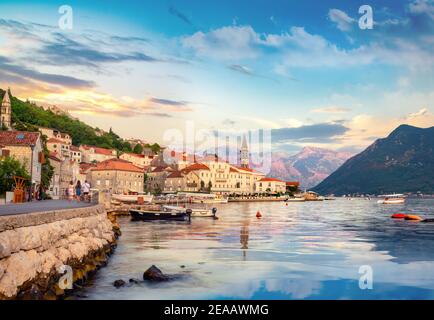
<point x="303" y="69"/>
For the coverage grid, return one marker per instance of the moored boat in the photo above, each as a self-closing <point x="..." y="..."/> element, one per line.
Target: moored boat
<point x="198" y="212"/>
<point x="132" y="197"/>
<point x="169" y="213"/>
<point x="392" y="199"/>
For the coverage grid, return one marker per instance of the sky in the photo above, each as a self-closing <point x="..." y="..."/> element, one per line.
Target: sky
<point x="303" y="70"/>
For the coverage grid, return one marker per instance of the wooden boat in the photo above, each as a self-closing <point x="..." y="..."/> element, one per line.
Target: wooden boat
<point x="132" y="197"/>
<point x="392" y="199"/>
<point x="168" y="213"/>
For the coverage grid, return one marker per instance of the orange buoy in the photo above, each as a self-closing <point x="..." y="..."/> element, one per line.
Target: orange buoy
<point x="258" y="215"/>
<point x="413" y="217"/>
<point x="398" y="216"/>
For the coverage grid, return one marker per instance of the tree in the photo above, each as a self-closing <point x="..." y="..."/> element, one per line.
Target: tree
<point x="145" y="182"/>
<point x="47" y="169"/>
<point x="138" y="149"/>
<point x="10" y="167"/>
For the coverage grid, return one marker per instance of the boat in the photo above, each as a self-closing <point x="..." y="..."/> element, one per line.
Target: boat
<point x="132" y="197"/>
<point x="313" y="196"/>
<point x="296" y="199"/>
<point x="202" y="197"/>
<point x="168" y="213"/>
<point x="392" y="199"/>
<point x="199" y="212"/>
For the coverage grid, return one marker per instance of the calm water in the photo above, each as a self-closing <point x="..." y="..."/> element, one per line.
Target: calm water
<point x="310" y="250"/>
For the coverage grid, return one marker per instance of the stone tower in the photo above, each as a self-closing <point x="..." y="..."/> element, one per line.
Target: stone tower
<point x="6" y="111"/>
<point x="244" y="153"/>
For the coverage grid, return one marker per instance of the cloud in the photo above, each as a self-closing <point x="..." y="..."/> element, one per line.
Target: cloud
<point x="421" y="112"/>
<point x="175" y="12"/>
<point x="331" y="109"/>
<point x="241" y="69"/>
<point x="24" y="73"/>
<point x="320" y="131"/>
<point x="342" y="20"/>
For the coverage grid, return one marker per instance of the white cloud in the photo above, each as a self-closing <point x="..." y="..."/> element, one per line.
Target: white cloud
<point x="343" y="21"/>
<point x="331" y="109"/>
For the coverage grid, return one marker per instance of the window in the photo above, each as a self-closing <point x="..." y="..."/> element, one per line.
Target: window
<point x="98" y="182"/>
<point x="107" y="182"/>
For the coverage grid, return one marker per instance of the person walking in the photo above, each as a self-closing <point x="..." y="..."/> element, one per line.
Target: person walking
<point x="86" y="189"/>
<point x="78" y="191"/>
<point x="70" y="191"/>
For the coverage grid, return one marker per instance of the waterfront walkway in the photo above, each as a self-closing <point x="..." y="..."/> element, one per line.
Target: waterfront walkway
<point x="40" y="206"/>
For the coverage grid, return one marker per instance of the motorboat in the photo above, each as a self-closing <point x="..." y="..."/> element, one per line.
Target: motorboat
<point x="296" y="199"/>
<point x="313" y="196"/>
<point x="392" y="199"/>
<point x="205" y="198"/>
<point x="169" y="213"/>
<point x="133" y="197"/>
<point x="199" y="212"/>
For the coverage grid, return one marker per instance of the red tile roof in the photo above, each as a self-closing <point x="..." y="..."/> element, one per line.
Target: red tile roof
<point x="98" y="150"/>
<point x="74" y="148"/>
<point x="293" y="183"/>
<point x="54" y="140"/>
<point x="19" y="138"/>
<point x="175" y="174"/>
<point x="117" y="165"/>
<point x="135" y="155"/>
<point x="195" y="167"/>
<point x="270" y="180"/>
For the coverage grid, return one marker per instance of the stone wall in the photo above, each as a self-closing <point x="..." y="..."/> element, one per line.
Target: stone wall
<point x="34" y="247"/>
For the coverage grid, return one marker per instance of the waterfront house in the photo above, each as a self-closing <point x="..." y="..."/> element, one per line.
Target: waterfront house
<point x="116" y="176"/>
<point x="270" y="185"/>
<point x="26" y="147"/>
<point x="65" y="170"/>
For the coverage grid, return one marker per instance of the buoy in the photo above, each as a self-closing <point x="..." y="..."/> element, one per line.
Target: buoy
<point x="398" y="216"/>
<point x="258" y="215"/>
<point x="413" y="217"/>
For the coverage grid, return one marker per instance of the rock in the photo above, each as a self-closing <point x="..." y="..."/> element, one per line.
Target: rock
<point x="155" y="274"/>
<point x="119" y="283"/>
<point x="136" y="281"/>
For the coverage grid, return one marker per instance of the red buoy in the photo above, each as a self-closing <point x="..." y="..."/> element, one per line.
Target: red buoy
<point x="258" y="215"/>
<point x="398" y="216"/>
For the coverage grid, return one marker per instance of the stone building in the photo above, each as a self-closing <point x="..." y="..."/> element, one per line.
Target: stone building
<point x="26" y="147"/>
<point x="91" y="154"/>
<point x="56" y="134"/>
<point x="270" y="185"/>
<point x="116" y="176"/>
<point x="6" y="111"/>
<point x="65" y="170"/>
<point x="139" y="160"/>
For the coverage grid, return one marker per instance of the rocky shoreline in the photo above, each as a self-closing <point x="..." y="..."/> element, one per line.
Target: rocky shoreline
<point x="48" y="255"/>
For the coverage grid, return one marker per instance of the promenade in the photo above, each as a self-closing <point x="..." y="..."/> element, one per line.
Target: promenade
<point x="40" y="206"/>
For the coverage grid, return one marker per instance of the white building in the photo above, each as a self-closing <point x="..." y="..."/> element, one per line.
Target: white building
<point x="91" y="154"/>
<point x="270" y="185"/>
<point x="6" y="111"/>
<point x="138" y="160"/>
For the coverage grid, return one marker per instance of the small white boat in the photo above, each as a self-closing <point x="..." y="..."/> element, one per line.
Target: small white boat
<point x="197" y="212"/>
<point x="205" y="198"/>
<point x="296" y="199"/>
<point x="132" y="197"/>
<point x="392" y="199"/>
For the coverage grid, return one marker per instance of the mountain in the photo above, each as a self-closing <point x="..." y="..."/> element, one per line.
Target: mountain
<point x="402" y="162"/>
<point x="310" y="166"/>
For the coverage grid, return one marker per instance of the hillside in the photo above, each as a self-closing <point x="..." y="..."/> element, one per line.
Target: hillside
<point x="402" y="162"/>
<point x="310" y="166"/>
<point x="29" y="116"/>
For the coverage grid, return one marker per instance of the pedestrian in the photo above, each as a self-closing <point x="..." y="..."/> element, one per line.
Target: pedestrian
<point x="70" y="191"/>
<point x="78" y="191"/>
<point x="86" y="189"/>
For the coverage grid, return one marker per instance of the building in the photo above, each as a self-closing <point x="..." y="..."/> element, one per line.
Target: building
<point x="156" y="178"/>
<point x="6" y="111"/>
<point x="61" y="148"/>
<point x="75" y="153"/>
<point x="213" y="176"/>
<point x="65" y="171"/>
<point x="139" y="160"/>
<point x="244" y="154"/>
<point x="270" y="185"/>
<point x="56" y="134"/>
<point x="91" y="154"/>
<point x="292" y="186"/>
<point x="26" y="147"/>
<point x="116" y="176"/>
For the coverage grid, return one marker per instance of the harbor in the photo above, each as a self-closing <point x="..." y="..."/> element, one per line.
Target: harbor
<point x="307" y="250"/>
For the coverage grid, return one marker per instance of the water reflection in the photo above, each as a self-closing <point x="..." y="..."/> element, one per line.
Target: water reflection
<point x="299" y="251"/>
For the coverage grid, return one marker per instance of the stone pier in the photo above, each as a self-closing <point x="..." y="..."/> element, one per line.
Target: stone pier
<point x="37" y="250"/>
